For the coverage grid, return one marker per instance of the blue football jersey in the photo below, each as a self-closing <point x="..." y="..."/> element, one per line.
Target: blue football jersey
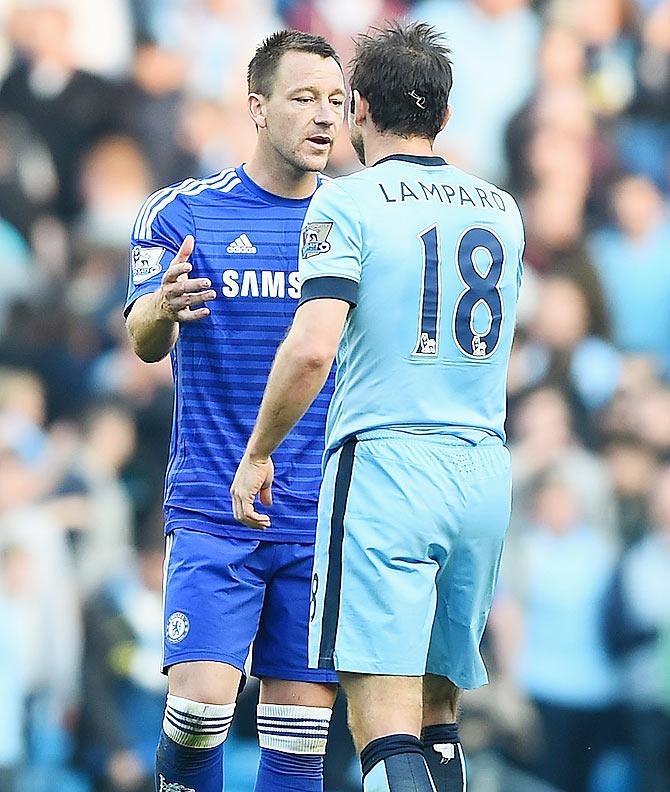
<point x="430" y="259"/>
<point x="246" y="243"/>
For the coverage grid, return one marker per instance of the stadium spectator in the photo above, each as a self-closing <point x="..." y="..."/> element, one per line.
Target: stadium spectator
<point x="478" y="32"/>
<point x="637" y="625"/>
<point x="64" y="105"/>
<point x="631" y="258"/>
<point x="102" y="534"/>
<point x="545" y="445"/>
<point x="560" y="580"/>
<point x="123" y="689"/>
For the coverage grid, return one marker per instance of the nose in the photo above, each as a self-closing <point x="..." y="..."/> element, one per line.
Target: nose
<point x="325" y="114"/>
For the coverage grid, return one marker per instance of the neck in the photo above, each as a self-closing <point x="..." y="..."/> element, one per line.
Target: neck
<point x="379" y="146"/>
<point x="273" y="173"/>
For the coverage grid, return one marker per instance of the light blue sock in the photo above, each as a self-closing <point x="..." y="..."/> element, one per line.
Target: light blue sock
<point x="189" y="757"/>
<point x="293" y="742"/>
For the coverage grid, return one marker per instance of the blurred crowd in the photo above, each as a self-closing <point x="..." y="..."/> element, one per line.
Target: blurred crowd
<point x="564" y="102"/>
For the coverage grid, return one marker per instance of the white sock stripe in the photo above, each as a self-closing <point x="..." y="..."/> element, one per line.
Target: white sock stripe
<point x="198" y="719"/>
<point x="290" y="721"/>
<point x="291" y="712"/>
<point x="291" y="729"/>
<point x="177" y="728"/>
<point x="202" y="726"/>
<point x="293" y="745"/>
<point x="197" y="725"/>
<point x="294" y="735"/>
<point x="191" y="739"/>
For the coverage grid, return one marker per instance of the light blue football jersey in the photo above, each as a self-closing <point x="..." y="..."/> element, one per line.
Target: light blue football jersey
<point x="430" y="259"/>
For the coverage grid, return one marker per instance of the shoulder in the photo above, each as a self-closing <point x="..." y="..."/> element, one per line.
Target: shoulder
<point x="345" y="191"/>
<point x="477" y="181"/>
<point x="172" y="204"/>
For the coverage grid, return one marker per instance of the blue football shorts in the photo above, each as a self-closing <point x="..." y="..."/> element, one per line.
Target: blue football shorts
<point x="223" y="595"/>
<point x="409" y="539"/>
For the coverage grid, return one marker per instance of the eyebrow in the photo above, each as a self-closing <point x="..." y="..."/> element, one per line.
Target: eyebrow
<point x="315" y="90"/>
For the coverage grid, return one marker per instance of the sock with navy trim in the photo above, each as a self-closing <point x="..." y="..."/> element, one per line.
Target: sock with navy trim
<point x="189" y="757"/>
<point x="444" y="756"/>
<point x="293" y="742"/>
<point x="395" y="763"/>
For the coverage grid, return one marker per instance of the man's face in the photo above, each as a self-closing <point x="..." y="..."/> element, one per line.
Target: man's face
<point x="305" y="112"/>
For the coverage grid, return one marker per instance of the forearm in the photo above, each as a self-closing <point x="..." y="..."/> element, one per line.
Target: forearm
<point x="296" y="378"/>
<point x="152" y="334"/>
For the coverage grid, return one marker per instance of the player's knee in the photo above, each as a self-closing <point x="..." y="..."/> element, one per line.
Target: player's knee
<point x="441" y="700"/>
<point x="293" y="729"/>
<point x="215" y="683"/>
<point x="196" y="725"/>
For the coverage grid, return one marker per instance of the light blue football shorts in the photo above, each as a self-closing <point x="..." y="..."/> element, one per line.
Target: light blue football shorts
<point x="408" y="545"/>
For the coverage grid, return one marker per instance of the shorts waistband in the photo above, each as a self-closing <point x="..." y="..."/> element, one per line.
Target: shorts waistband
<point x="436" y="438"/>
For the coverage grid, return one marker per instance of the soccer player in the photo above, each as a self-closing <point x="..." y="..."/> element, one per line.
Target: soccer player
<point x="410" y="270"/>
<point x="213" y="282"/>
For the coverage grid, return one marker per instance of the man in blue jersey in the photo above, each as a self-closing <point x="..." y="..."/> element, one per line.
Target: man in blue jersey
<point x="410" y="271"/>
<point x="213" y="282"/>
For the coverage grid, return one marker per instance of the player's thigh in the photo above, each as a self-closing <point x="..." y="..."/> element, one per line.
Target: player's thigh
<point x="468" y="576"/>
<point x="280" y="649"/>
<point x="375" y="598"/>
<point x="213" y="593"/>
<point x="379" y="705"/>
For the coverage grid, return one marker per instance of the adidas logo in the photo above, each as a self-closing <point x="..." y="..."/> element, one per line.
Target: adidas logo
<point x="241" y="245"/>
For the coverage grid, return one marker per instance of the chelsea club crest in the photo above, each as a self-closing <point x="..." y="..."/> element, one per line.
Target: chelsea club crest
<point x="177" y="627"/>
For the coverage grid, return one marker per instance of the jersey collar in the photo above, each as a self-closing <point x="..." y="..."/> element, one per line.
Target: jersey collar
<point x="417" y="160"/>
<point x="271" y="198"/>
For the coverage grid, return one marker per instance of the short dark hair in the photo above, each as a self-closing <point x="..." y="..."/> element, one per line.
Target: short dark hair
<point x="263" y="66"/>
<point x="404" y="72"/>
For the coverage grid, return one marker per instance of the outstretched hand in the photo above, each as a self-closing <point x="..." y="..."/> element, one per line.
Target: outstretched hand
<point x="179" y="294"/>
<point x="253" y="477"/>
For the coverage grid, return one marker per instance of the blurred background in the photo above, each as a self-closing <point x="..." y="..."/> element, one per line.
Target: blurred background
<point x="564" y="102"/>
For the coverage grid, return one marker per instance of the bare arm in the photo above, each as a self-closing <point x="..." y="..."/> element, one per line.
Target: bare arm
<point x="298" y="373"/>
<point x="153" y="321"/>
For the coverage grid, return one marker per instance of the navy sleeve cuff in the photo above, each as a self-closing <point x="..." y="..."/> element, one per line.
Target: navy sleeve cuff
<point x="330" y="287"/>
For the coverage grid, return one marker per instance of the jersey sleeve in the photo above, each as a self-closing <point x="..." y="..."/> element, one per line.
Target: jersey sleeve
<point x="331" y="244"/>
<point x="521" y="241"/>
<point x="159" y="229"/>
<point x="522" y="248"/>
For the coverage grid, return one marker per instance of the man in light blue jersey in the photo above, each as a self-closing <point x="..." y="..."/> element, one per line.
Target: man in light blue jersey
<point x="214" y="282"/>
<point x="410" y="271"/>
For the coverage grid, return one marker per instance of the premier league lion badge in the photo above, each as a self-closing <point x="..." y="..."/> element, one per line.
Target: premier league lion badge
<point x="145" y="262"/>
<point x="314" y="236"/>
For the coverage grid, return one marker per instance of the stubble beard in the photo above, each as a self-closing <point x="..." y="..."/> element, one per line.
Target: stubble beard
<point x="357" y="142"/>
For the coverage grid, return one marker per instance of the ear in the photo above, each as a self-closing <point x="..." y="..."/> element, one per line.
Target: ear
<point x="257" y="110"/>
<point x="446" y="117"/>
<point x="360" y="108"/>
